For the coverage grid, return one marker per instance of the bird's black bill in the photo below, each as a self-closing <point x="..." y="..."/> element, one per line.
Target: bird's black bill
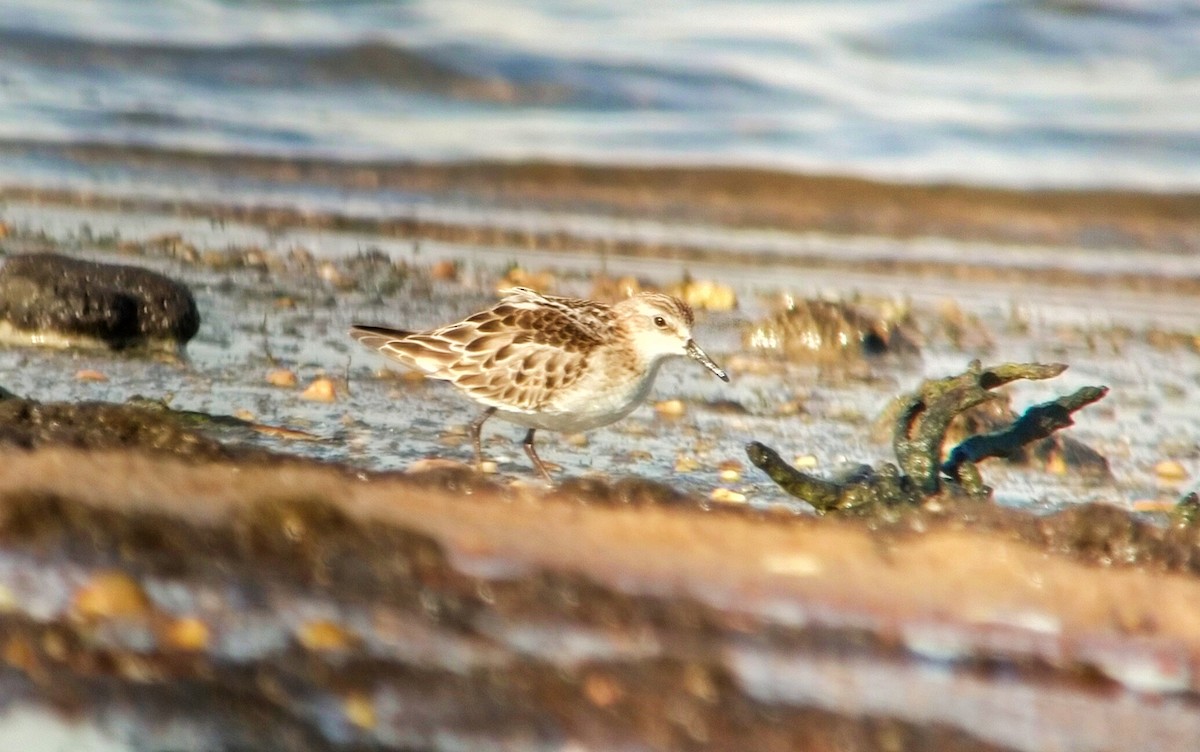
<point x="694" y="352"/>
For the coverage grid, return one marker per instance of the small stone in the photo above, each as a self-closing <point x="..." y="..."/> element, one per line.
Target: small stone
<point x="488" y="466"/>
<point x="578" y="440"/>
<point x="282" y="377"/>
<point x="685" y="463"/>
<point x="805" y="461"/>
<point x="1170" y="470"/>
<point x="730" y="470"/>
<point x="187" y="633"/>
<point x="1153" y="505"/>
<point x="322" y="635"/>
<point x="601" y="690"/>
<point x="243" y="414"/>
<point x="110" y="595"/>
<point x="727" y="496"/>
<point x="444" y="270"/>
<point x="320" y="390"/>
<point x="360" y="710"/>
<point x="88" y="374"/>
<point x="671" y="408"/>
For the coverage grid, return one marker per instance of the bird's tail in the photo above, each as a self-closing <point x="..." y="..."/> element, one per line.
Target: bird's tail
<point x="376" y="337"/>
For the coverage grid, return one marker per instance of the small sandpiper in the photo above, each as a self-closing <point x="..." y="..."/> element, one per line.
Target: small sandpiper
<point x="540" y="361"/>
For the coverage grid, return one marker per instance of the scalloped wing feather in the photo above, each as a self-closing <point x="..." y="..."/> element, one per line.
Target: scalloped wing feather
<point x="513" y="356"/>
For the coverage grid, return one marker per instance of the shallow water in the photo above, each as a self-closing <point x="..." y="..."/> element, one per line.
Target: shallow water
<point x="1108" y="92"/>
<point x="256" y="320"/>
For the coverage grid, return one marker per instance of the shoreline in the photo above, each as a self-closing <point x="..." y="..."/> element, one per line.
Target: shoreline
<point x="729" y="196"/>
<point x="976" y="262"/>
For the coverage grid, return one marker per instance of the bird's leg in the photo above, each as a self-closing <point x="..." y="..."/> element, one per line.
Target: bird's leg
<point x="533" y="455"/>
<point x="476" y="427"/>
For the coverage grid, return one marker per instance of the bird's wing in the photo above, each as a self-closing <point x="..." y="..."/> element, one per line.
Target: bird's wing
<point x="513" y="356"/>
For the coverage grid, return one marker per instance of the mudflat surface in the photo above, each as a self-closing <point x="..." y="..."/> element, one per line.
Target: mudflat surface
<point x="666" y="595"/>
<point x="278" y="287"/>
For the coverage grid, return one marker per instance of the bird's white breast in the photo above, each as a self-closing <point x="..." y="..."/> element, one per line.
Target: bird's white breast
<point x="601" y="396"/>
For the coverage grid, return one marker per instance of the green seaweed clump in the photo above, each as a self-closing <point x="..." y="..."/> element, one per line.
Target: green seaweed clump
<point x="918" y="434"/>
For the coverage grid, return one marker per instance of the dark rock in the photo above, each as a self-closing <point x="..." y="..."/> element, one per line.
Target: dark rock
<point x="121" y="306"/>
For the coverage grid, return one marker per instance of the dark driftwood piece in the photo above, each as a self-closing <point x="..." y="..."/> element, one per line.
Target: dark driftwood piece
<point x="1036" y="423"/>
<point x="918" y="436"/>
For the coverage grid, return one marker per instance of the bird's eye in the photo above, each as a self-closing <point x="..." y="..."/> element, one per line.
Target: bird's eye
<point x="660" y="322"/>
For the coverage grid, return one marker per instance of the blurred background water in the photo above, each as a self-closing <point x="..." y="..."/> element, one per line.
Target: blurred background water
<point x="1071" y="93"/>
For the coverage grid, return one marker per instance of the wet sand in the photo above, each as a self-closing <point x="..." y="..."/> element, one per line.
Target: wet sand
<point x="354" y="605"/>
<point x="734" y="197"/>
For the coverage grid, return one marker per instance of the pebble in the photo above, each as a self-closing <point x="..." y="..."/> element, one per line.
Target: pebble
<point x="281" y="377"/>
<point x="672" y="408"/>
<point x="1153" y="505"/>
<point x="602" y="691"/>
<point x="444" y="270"/>
<point x="88" y="374"/>
<point x="320" y="390"/>
<point x="187" y="633"/>
<point x="323" y="635"/>
<point x="360" y="710"/>
<point x="727" y="496"/>
<point x="805" y="461"/>
<point x="1170" y="470"/>
<point x="109" y="595"/>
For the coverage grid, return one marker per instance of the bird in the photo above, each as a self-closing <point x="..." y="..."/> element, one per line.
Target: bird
<point x="549" y="363"/>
